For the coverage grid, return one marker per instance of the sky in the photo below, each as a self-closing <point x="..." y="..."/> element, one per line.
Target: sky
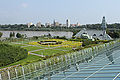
<point x="82" y="11"/>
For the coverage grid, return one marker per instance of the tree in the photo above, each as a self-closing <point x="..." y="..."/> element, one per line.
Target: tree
<point x="18" y="35"/>
<point x="1" y="34"/>
<point x="12" y="34"/>
<point x="10" y="54"/>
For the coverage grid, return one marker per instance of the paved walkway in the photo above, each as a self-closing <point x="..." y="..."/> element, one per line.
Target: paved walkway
<point x="31" y="52"/>
<point x="37" y="54"/>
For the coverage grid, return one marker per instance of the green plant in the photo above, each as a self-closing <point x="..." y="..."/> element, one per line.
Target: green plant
<point x="10" y="54"/>
<point x="1" y="34"/>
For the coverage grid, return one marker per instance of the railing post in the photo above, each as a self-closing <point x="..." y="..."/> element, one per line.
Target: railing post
<point x="9" y="75"/>
<point x="23" y="73"/>
<point x="0" y="76"/>
<point x="16" y="73"/>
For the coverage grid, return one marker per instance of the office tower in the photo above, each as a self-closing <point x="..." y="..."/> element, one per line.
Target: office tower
<point x="67" y="23"/>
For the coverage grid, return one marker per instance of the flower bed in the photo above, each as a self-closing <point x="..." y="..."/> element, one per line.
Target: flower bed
<point x="49" y="42"/>
<point x="57" y="42"/>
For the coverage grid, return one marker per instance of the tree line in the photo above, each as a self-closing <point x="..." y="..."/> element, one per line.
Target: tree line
<point x="53" y="28"/>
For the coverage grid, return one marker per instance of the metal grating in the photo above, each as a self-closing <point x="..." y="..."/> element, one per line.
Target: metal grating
<point x="103" y="65"/>
<point x="100" y="68"/>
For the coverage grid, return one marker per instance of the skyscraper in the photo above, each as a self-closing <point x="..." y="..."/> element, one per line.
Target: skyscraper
<point x="68" y="23"/>
<point x="54" y="23"/>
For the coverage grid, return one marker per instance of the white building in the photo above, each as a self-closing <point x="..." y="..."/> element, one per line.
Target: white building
<point x="38" y="24"/>
<point x="95" y="34"/>
<point x="56" y="24"/>
<point x="67" y="23"/>
<point x="47" y="24"/>
<point x="29" y="24"/>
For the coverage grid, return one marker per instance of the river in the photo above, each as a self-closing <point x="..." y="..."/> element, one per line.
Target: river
<point x="39" y="33"/>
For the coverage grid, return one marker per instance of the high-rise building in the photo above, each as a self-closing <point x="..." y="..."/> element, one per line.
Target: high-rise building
<point x="67" y="23"/>
<point x="55" y="24"/>
<point x="38" y="24"/>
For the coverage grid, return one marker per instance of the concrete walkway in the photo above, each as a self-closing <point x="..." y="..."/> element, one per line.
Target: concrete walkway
<point x="36" y="54"/>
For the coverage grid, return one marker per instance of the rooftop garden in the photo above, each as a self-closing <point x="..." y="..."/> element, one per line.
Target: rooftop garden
<point x="43" y="48"/>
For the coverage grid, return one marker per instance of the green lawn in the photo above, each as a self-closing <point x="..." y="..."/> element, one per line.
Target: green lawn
<point x="63" y="48"/>
<point x="17" y="44"/>
<point x="29" y="59"/>
<point x="33" y="58"/>
<point x="27" y="41"/>
<point x="31" y="48"/>
<point x="48" y="52"/>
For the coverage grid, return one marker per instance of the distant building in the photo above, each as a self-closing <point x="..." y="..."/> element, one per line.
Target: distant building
<point x="67" y="23"/>
<point x="95" y="34"/>
<point x="56" y="23"/>
<point x="29" y="24"/>
<point x="38" y="24"/>
<point x="73" y="25"/>
<point x="78" y="24"/>
<point x="63" y="25"/>
<point x="47" y="24"/>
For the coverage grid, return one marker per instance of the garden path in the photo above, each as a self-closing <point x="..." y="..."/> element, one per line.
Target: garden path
<point x="37" y="54"/>
<point x="31" y="52"/>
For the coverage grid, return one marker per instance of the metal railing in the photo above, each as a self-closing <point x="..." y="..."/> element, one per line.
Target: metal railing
<point x="46" y="68"/>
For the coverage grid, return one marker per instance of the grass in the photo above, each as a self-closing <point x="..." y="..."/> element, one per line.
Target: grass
<point x="29" y="59"/>
<point x="31" y="48"/>
<point x="64" y="48"/>
<point x="48" y="52"/>
<point x="17" y="44"/>
<point x="27" y="41"/>
<point x="52" y="50"/>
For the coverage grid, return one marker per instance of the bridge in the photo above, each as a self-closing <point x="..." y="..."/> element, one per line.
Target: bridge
<point x="101" y="62"/>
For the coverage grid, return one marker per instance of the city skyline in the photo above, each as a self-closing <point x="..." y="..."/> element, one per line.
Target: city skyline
<point x="82" y="11"/>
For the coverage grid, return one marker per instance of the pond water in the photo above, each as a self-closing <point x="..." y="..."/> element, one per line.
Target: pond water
<point x="39" y="33"/>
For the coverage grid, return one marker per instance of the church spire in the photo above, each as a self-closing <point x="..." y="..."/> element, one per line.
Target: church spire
<point x="104" y="26"/>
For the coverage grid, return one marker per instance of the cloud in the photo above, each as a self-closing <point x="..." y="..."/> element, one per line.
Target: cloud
<point x="24" y="5"/>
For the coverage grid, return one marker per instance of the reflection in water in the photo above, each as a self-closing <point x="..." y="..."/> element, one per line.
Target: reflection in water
<point x="110" y="56"/>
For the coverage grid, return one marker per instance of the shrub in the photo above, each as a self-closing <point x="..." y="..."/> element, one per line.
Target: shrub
<point x="10" y="54"/>
<point x="35" y="37"/>
<point x="1" y="34"/>
<point x="18" y="35"/>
